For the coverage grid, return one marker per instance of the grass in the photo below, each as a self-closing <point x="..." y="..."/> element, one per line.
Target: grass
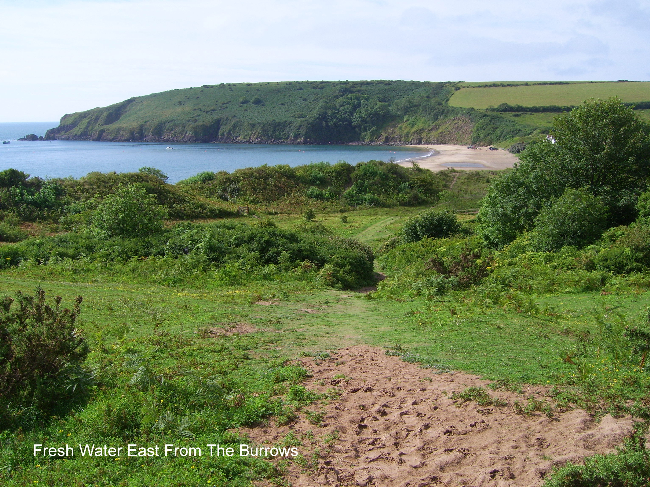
<point x="544" y="95"/>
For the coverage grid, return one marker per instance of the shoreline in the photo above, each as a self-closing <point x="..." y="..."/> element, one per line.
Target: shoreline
<point x="449" y="156"/>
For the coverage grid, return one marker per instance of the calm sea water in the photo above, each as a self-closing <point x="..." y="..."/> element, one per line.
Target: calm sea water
<point x="61" y="158"/>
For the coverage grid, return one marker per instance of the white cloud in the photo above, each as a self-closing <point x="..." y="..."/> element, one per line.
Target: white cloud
<point x="69" y="55"/>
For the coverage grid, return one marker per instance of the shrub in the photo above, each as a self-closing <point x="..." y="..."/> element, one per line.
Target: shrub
<point x="12" y="177"/>
<point x="430" y="224"/>
<point x="628" y="468"/>
<point x="9" y="228"/>
<point x="40" y="352"/>
<point x="129" y="212"/>
<point x="629" y="252"/>
<point x="576" y="218"/>
<point x="202" y="177"/>
<point x="309" y="214"/>
<point x="349" y="264"/>
<point x="465" y="269"/>
<point x="30" y="199"/>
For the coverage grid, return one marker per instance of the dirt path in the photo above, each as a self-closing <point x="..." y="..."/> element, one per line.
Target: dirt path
<point x="391" y="423"/>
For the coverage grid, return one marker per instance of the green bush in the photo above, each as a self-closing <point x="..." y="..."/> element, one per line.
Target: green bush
<point x="257" y="251"/>
<point x="41" y="352"/>
<point x="129" y="212"/>
<point x="628" y="252"/>
<point x="348" y="263"/>
<point x="628" y="468"/>
<point x="430" y="224"/>
<point x="156" y="173"/>
<point x="432" y="267"/>
<point x="576" y="218"/>
<point x="9" y="228"/>
<point x="30" y="199"/>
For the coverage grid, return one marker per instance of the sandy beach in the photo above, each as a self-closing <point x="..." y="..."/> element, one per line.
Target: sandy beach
<point x="461" y="157"/>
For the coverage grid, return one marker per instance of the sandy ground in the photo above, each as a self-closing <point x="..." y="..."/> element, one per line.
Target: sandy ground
<point x="460" y="157"/>
<point x="392" y="423"/>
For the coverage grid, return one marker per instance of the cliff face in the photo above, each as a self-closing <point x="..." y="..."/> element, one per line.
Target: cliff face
<point x="364" y="112"/>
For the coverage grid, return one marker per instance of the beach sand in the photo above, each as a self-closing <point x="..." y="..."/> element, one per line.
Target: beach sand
<point x="460" y="157"/>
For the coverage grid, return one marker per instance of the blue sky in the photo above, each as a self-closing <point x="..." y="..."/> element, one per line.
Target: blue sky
<point x="63" y="56"/>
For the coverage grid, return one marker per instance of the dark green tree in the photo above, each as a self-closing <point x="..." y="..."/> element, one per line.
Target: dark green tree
<point x="152" y="171"/>
<point x="600" y="146"/>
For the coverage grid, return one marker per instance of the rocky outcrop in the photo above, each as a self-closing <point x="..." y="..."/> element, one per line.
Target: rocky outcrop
<point x="31" y="137"/>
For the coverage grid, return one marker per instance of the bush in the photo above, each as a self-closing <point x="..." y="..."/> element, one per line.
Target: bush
<point x="576" y="218"/>
<point x="430" y="224"/>
<point x="41" y="352"/>
<point x="152" y="171"/>
<point x="348" y="263"/>
<point x="10" y="230"/>
<point x="628" y="468"/>
<point x="629" y="252"/>
<point x="129" y="212"/>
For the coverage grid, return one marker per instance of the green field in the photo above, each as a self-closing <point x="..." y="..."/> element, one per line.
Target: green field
<point x="572" y="94"/>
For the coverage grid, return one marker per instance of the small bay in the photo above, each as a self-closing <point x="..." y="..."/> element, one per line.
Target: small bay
<point x="62" y="158"/>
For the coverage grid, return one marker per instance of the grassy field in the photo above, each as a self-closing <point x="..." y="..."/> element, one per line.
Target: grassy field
<point x="482" y="97"/>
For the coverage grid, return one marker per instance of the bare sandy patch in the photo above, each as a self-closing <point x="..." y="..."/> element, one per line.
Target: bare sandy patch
<point x="391" y="423"/>
<point x="447" y="156"/>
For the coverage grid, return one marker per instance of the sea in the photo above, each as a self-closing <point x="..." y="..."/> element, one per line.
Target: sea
<point x="63" y="158"/>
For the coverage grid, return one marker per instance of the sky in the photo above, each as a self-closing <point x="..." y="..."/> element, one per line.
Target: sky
<point x="65" y="56"/>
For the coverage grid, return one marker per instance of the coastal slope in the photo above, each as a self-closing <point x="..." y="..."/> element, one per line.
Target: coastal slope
<point x="366" y="112"/>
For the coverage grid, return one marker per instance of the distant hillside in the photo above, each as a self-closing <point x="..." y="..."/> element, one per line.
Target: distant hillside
<point x="382" y="112"/>
<point x="322" y="112"/>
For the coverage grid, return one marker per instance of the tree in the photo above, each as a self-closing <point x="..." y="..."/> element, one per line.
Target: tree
<point x="600" y="146"/>
<point x="604" y="147"/>
<point x="129" y="212"/>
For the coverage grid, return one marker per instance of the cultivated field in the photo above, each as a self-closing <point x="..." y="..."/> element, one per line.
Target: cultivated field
<point x="485" y="96"/>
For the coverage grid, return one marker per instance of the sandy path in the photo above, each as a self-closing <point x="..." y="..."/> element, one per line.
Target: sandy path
<point x="392" y="423"/>
<point x="460" y="157"/>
